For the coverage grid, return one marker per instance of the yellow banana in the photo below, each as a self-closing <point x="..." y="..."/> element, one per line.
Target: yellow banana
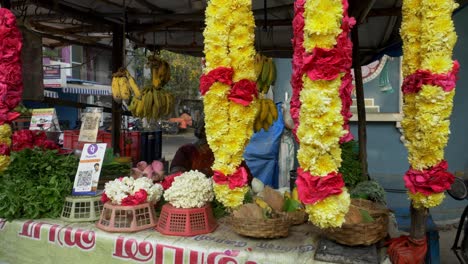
<point x="269" y="119"/>
<point x="260" y="202"/>
<point x="263" y="109"/>
<point x="139" y="108"/>
<point x="154" y="76"/>
<point x="265" y="69"/>
<point x="295" y="194"/>
<point x="272" y="73"/>
<point x="272" y="109"/>
<point x="258" y="64"/>
<point x="287" y="195"/>
<point x="257" y="125"/>
<point x="124" y="88"/>
<point x="156" y="106"/>
<point x="133" y="85"/>
<point x="115" y="90"/>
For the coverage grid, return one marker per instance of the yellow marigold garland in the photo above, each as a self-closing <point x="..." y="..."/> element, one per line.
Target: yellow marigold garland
<point x="5" y="140"/>
<point x="428" y="39"/>
<point x="229" y="42"/>
<point x="326" y="26"/>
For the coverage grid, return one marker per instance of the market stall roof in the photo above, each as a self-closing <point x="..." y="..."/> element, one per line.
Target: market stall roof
<point x="177" y="25"/>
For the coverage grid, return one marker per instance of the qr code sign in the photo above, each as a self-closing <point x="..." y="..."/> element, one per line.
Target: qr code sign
<point x="84" y="178"/>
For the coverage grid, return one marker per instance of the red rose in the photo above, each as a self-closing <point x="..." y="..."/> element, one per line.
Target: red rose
<point x="237" y="179"/>
<point x="220" y="74"/>
<point x="141" y="196"/>
<point x="4" y="149"/>
<point x="22" y="139"/>
<point x="49" y="144"/>
<point x="104" y="198"/>
<point x="7" y="117"/>
<point x="167" y="182"/>
<point x="10" y="47"/>
<point x="7" y="19"/>
<point x="10" y="73"/>
<point x="129" y="201"/>
<point x="13" y="97"/>
<point x="243" y="92"/>
<point x="434" y="180"/>
<point x="313" y="189"/>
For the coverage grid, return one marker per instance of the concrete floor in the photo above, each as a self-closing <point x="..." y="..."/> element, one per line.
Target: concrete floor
<point x="447" y="229"/>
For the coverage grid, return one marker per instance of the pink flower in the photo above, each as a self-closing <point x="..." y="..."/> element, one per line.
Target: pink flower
<point x="129" y="201"/>
<point x="313" y="189"/>
<point x="141" y="196"/>
<point x="220" y="74"/>
<point x="434" y="180"/>
<point x="413" y="83"/>
<point x="11" y="74"/>
<point x="237" y="179"/>
<point x="142" y="165"/>
<point x="243" y="92"/>
<point x="10" y="46"/>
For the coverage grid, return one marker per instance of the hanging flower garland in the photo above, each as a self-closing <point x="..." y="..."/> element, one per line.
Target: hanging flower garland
<point x="11" y="82"/>
<point x="429" y="74"/>
<point x="322" y="86"/>
<point x="229" y="90"/>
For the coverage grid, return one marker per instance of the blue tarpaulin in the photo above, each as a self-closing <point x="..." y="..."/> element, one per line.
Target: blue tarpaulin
<point x="261" y="154"/>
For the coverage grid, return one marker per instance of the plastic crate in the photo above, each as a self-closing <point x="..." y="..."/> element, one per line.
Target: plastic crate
<point x="129" y="142"/>
<point x="82" y="208"/>
<point x="119" y="218"/>
<point x="186" y="222"/>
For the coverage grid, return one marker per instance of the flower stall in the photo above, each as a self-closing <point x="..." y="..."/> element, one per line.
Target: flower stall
<point x="228" y="217"/>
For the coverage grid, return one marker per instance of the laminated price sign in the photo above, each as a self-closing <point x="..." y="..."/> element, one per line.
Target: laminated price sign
<point x="44" y="119"/>
<point x="89" y="169"/>
<point x="90" y="124"/>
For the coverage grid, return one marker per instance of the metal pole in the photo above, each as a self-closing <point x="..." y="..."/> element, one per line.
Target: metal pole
<point x="361" y="109"/>
<point x="117" y="62"/>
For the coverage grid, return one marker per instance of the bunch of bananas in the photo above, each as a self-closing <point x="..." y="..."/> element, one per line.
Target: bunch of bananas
<point x="123" y="85"/>
<point x="265" y="70"/>
<point x="155" y="102"/>
<point x="266" y="114"/>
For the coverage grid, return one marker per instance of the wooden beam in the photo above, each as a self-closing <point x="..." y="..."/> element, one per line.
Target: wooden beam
<point x="76" y="42"/>
<point x="362" y="134"/>
<point x="72" y="12"/>
<point x="154" y="7"/>
<point x="118" y="53"/>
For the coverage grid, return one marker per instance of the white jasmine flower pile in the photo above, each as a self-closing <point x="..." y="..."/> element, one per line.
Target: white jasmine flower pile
<point x="192" y="189"/>
<point x="127" y="191"/>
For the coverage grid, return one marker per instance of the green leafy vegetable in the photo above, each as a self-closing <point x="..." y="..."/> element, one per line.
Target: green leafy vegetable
<point x="350" y="165"/>
<point x="35" y="184"/>
<point x="366" y="217"/>
<point x="370" y="190"/>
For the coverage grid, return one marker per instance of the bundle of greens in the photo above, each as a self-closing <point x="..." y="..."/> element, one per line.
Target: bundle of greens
<point x="35" y="184"/>
<point x="350" y="165"/>
<point x="369" y="190"/>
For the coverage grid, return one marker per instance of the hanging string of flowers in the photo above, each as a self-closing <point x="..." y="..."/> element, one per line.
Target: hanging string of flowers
<point x="429" y="74"/>
<point x="322" y="86"/>
<point x="229" y="90"/>
<point x="11" y="82"/>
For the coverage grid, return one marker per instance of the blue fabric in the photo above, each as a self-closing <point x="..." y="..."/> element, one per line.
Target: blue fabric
<point x="261" y="154"/>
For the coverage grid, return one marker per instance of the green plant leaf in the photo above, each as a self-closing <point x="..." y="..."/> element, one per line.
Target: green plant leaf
<point x="366" y="217"/>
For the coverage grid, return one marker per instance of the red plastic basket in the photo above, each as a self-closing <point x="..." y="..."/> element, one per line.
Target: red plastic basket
<point x="119" y="218"/>
<point x="186" y="222"/>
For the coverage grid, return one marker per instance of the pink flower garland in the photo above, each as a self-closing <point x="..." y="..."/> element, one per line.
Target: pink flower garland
<point x="446" y="81"/>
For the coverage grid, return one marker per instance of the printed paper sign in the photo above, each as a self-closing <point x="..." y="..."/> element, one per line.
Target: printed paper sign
<point x="89" y="169"/>
<point x="90" y="124"/>
<point x="44" y="119"/>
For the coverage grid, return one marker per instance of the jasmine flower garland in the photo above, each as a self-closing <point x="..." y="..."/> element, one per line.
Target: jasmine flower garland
<point x="229" y="92"/>
<point x="429" y="81"/>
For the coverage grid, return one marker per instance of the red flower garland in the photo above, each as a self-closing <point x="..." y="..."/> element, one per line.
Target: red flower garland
<point x="313" y="189"/>
<point x="413" y="83"/>
<point x="242" y="92"/>
<point x="237" y="179"/>
<point x="25" y="138"/>
<point x="434" y="180"/>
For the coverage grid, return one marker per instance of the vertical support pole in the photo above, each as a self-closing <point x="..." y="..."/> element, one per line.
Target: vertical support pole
<point x="361" y="109"/>
<point x="117" y="62"/>
<point x="418" y="222"/>
<point x="6" y="4"/>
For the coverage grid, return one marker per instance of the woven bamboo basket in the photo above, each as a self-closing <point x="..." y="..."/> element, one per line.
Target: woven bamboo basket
<point x="297" y="217"/>
<point x="362" y="233"/>
<point x="263" y="228"/>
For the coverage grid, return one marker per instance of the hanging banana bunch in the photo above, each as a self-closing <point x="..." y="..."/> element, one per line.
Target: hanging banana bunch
<point x="123" y="85"/>
<point x="155" y="102"/>
<point x="266" y="76"/>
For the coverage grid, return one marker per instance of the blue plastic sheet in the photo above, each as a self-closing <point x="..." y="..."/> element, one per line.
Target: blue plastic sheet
<point x="261" y="154"/>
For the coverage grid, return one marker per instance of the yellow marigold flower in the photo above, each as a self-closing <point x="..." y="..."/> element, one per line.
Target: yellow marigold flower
<point x="5" y="141"/>
<point x="420" y="200"/>
<point x="230" y="198"/>
<point x="4" y="162"/>
<point x="331" y="211"/>
<point x="5" y="131"/>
